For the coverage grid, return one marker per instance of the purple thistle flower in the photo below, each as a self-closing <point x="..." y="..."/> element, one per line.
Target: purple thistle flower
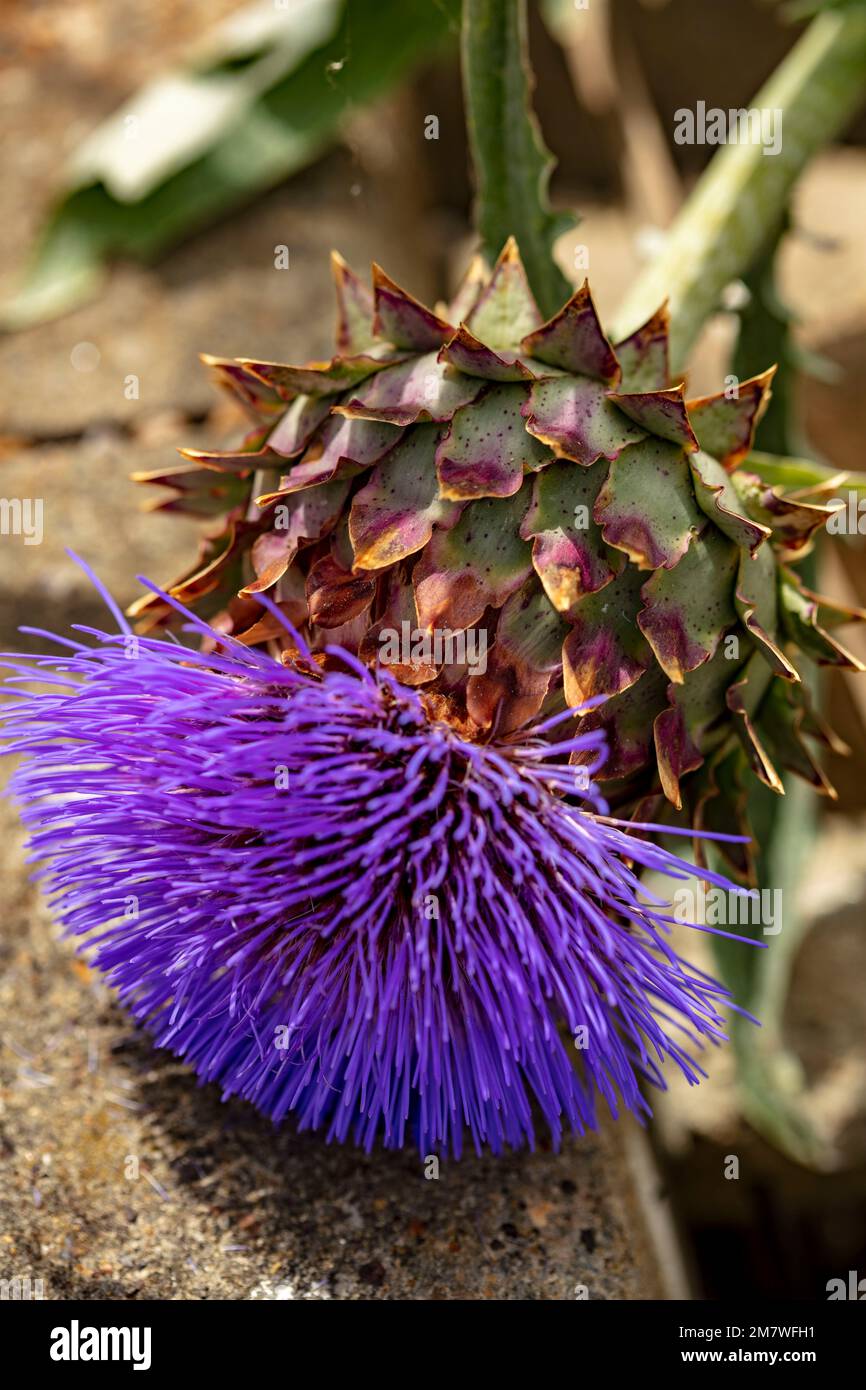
<point x="333" y="905"/>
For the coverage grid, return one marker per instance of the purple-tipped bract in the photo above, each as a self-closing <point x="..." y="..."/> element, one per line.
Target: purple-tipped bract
<point x="333" y="905"/>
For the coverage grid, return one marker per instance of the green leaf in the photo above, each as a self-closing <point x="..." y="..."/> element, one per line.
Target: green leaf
<point x="769" y="1076"/>
<point x="784" y="828"/>
<point x="739" y="202"/>
<point x="797" y="473"/>
<point x="512" y="166"/>
<point x="765" y="336"/>
<point x="805" y="9"/>
<point x="268" y="104"/>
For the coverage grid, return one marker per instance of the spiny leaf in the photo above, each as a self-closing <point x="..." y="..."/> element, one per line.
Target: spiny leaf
<point x="486" y="448"/>
<point x="680" y="620"/>
<point x="725" y="424"/>
<point x="605" y="653"/>
<point x="512" y="167"/>
<point x="574" y="340"/>
<point x="479" y="562"/>
<point x="393" y="514"/>
<point x="574" y="417"/>
<point x="568" y="553"/>
<point x="643" y="355"/>
<point x="421" y="388"/>
<point x="647" y="505"/>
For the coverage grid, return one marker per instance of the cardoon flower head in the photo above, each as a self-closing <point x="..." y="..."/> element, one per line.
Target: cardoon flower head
<point x="334" y="904"/>
<point x="532" y="485"/>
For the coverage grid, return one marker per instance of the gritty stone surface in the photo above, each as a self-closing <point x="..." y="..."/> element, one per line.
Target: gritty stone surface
<point x="70" y="66"/>
<point x="64" y="66"/>
<point x="89" y="504"/>
<point x="219" y="293"/>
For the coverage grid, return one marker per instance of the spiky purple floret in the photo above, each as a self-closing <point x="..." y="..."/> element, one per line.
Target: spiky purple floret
<point x="334" y="906"/>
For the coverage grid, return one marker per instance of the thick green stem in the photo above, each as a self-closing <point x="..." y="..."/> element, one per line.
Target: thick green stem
<point x="738" y="205"/>
<point x="512" y="167"/>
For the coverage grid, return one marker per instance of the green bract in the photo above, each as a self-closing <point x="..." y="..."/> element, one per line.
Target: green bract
<point x="477" y="467"/>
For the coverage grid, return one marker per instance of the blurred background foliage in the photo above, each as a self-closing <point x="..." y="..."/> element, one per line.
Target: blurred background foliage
<point x="263" y="94"/>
